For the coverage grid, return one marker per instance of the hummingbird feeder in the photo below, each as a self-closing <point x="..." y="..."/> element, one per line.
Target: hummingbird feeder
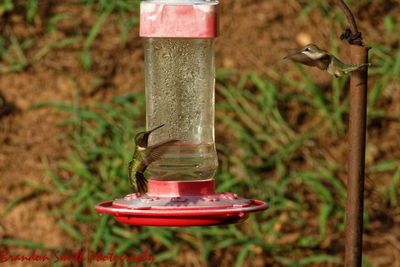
<point x="179" y="80"/>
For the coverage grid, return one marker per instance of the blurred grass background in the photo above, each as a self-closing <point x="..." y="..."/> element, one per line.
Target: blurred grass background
<point x="281" y="123"/>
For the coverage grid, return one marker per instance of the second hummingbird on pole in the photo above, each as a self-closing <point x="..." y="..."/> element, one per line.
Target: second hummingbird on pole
<point x="312" y="55"/>
<point x="143" y="156"/>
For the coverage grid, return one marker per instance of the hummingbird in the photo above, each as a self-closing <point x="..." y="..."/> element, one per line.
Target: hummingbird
<point x="312" y="55"/>
<point x="143" y="156"/>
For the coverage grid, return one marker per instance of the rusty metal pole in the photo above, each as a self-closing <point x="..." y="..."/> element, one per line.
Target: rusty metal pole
<point x="356" y="161"/>
<point x="356" y="139"/>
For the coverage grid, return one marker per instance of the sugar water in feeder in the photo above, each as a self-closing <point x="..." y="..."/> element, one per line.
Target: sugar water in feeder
<point x="179" y="81"/>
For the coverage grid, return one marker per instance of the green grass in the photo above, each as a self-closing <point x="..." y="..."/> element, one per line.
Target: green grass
<point x="12" y="50"/>
<point x="122" y="9"/>
<point x="30" y="8"/>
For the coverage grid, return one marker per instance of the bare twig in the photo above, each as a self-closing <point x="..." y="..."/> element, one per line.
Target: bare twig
<point x="354" y="36"/>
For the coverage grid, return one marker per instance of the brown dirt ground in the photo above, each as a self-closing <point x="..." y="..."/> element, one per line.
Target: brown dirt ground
<point x="255" y="34"/>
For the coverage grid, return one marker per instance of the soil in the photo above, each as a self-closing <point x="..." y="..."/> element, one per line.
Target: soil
<point x="254" y="36"/>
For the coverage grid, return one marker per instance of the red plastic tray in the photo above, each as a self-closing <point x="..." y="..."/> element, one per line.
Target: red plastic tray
<point x="180" y="217"/>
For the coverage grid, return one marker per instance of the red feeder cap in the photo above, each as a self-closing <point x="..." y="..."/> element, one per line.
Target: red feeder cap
<point x="179" y="19"/>
<point x="177" y="189"/>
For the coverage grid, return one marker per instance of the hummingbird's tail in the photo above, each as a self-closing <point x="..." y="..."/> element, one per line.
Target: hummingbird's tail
<point x="141" y="182"/>
<point x="362" y="65"/>
<point x="353" y="67"/>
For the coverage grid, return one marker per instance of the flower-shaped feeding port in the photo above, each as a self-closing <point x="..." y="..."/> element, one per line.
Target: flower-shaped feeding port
<point x="180" y="85"/>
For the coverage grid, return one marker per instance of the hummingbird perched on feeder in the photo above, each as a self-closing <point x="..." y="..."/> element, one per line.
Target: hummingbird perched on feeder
<point x="143" y="156"/>
<point x="312" y="55"/>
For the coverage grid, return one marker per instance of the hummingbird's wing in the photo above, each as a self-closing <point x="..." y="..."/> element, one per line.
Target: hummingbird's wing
<point x="156" y="151"/>
<point x="323" y="62"/>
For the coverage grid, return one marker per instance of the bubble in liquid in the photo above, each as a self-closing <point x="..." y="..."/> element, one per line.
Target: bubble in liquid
<point x="180" y="94"/>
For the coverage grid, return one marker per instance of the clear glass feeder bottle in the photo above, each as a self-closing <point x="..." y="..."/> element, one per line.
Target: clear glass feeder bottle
<point x="179" y="72"/>
<point x="180" y="85"/>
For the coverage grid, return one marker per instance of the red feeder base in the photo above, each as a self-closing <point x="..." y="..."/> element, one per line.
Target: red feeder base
<point x="181" y="203"/>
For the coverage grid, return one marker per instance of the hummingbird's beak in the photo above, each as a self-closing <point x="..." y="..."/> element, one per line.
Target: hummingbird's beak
<point x="152" y="130"/>
<point x="291" y="55"/>
<point x="147" y="134"/>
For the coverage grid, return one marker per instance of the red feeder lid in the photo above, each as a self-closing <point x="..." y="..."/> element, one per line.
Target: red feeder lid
<point x="179" y="19"/>
<point x="181" y="203"/>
